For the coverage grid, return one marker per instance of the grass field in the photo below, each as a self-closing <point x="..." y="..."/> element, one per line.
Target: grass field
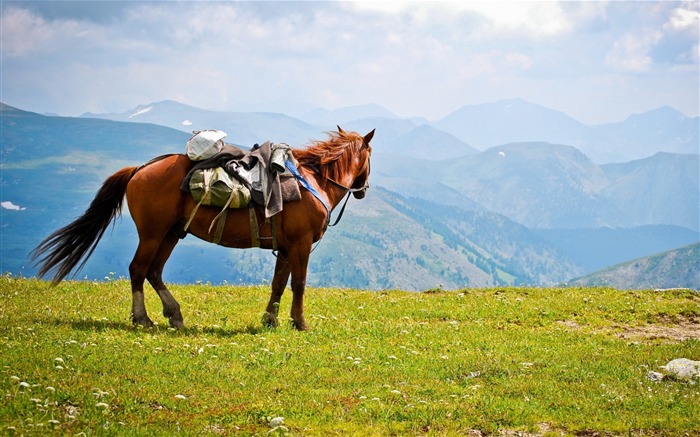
<point x="507" y="361"/>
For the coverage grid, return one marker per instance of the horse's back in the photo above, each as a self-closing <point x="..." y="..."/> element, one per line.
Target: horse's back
<point x="154" y="193"/>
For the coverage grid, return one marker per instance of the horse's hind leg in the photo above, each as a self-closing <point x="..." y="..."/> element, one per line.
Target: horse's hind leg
<point x="138" y="269"/>
<point x="171" y="308"/>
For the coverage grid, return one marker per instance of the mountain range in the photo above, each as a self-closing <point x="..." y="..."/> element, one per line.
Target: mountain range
<point x="441" y="212"/>
<point x="474" y="127"/>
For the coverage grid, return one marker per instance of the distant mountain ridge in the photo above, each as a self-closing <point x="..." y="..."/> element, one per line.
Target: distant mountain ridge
<point x="480" y="126"/>
<point x="542" y="185"/>
<point x="516" y="120"/>
<point x="244" y="128"/>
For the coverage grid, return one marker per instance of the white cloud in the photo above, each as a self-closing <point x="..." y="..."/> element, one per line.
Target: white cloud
<point x="22" y="32"/>
<point x="534" y="19"/>
<point x="415" y="58"/>
<point x="669" y="36"/>
<point x="11" y="206"/>
<point x="685" y="18"/>
<point x="487" y="19"/>
<point x="631" y="52"/>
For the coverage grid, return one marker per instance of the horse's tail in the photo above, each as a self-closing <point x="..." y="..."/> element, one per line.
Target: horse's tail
<point x="64" y="249"/>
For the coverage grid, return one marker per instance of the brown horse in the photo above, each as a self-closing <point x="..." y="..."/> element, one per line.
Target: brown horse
<point x="159" y="208"/>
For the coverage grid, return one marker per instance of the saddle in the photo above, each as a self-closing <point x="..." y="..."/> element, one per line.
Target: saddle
<point x="233" y="178"/>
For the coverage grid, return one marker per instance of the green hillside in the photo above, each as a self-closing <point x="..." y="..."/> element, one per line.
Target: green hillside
<point x="674" y="268"/>
<point x="495" y="361"/>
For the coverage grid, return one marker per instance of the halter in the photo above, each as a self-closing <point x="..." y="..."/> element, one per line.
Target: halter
<point x="290" y="166"/>
<point x="349" y="190"/>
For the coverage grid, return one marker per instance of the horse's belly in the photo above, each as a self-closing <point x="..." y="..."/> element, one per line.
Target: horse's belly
<point x="234" y="232"/>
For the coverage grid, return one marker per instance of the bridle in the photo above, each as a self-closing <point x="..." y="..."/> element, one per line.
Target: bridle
<point x="348" y="190"/>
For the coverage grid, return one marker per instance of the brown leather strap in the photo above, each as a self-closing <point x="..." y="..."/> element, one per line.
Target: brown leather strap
<point x="254" y="231"/>
<point x="220" y="226"/>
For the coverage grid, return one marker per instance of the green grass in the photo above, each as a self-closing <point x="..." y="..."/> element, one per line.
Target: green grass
<point x="545" y="361"/>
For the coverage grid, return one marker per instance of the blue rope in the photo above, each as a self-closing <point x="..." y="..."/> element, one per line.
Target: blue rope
<point x="304" y="183"/>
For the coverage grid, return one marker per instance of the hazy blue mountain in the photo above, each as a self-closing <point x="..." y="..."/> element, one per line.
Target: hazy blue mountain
<point x="516" y="120"/>
<point x="539" y="185"/>
<point x="243" y="128"/>
<point x="664" y="188"/>
<point x="551" y="186"/>
<point x="28" y="137"/>
<point x="671" y="269"/>
<point x="481" y="126"/>
<point x="428" y="143"/>
<point x="663" y="129"/>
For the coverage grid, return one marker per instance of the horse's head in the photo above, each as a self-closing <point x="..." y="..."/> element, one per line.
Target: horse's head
<point x="360" y="184"/>
<point x="342" y="160"/>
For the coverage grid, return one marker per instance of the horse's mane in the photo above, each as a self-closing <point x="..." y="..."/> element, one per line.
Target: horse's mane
<point x="331" y="158"/>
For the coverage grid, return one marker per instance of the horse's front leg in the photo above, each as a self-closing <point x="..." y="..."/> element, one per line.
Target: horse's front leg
<point x="279" y="282"/>
<point x="299" y="263"/>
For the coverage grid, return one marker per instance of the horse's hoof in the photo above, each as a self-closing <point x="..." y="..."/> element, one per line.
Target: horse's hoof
<point x="176" y="323"/>
<point x="144" y="322"/>
<point x="269" y="320"/>
<point x="300" y="326"/>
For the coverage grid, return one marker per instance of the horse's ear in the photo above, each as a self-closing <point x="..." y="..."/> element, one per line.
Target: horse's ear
<point x="340" y="130"/>
<point x="369" y="136"/>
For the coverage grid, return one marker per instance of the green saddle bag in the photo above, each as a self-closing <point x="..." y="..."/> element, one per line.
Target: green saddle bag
<point x="215" y="187"/>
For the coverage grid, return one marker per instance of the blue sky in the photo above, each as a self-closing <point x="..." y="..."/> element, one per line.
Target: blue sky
<point x="596" y="61"/>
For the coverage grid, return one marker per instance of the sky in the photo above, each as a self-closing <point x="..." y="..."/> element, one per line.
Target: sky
<point x="597" y="61"/>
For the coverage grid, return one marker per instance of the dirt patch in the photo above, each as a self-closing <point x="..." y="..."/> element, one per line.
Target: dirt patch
<point x="674" y="330"/>
<point x="569" y="324"/>
<point x="677" y="331"/>
<point x="543" y="428"/>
